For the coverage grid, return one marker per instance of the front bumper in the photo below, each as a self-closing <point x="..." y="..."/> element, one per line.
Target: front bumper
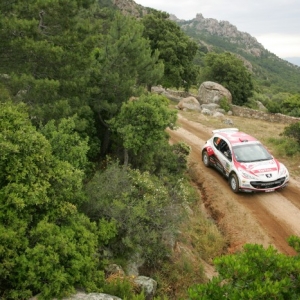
<point x="264" y="186"/>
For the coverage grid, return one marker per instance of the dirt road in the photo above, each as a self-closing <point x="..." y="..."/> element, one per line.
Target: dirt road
<point x="261" y="218"/>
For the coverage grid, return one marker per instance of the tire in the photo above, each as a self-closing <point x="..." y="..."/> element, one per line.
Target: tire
<point x="205" y="159"/>
<point x="234" y="183"/>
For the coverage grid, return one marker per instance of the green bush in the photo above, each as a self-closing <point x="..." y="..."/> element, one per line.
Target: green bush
<point x="142" y="205"/>
<point x="47" y="247"/>
<point x="121" y="286"/>
<point x="293" y="131"/>
<point x="254" y="273"/>
<point x="224" y="104"/>
<point x="285" y="146"/>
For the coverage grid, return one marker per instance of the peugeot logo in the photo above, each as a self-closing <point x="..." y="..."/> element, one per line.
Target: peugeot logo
<point x="269" y="175"/>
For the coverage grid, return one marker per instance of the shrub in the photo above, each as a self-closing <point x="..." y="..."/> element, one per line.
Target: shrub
<point x="293" y="131"/>
<point x="224" y="104"/>
<point x="141" y="205"/>
<point x="254" y="273"/>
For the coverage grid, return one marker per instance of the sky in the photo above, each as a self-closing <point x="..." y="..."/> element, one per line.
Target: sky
<point x="274" y="23"/>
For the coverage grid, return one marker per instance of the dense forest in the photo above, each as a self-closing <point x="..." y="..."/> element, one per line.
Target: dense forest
<point x="87" y="175"/>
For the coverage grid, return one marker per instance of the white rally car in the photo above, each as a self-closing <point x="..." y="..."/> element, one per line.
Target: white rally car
<point x="244" y="161"/>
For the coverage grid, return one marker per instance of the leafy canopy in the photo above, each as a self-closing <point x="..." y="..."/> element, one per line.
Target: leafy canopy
<point x="176" y="50"/>
<point x="229" y="71"/>
<point x="141" y="205"/>
<point x="47" y="246"/>
<point x="141" y="124"/>
<point x="254" y="273"/>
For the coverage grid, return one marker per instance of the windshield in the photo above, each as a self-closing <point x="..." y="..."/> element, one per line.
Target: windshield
<point x="251" y="152"/>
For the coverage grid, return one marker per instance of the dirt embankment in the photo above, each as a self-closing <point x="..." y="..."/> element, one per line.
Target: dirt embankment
<point x="261" y="218"/>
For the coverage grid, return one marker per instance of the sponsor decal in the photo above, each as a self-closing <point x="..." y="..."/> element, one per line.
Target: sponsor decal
<point x="264" y="170"/>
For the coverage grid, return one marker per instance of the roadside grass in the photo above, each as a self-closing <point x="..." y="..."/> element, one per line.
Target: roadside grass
<point x="199" y="239"/>
<point x="198" y="243"/>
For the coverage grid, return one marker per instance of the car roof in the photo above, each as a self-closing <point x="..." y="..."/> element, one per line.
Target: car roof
<point x="234" y="136"/>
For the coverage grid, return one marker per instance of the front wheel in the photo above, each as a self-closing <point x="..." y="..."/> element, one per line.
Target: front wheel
<point x="234" y="183"/>
<point x="205" y="158"/>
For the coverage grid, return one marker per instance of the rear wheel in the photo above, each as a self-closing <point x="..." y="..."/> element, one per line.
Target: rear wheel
<point x="234" y="182"/>
<point x="205" y="158"/>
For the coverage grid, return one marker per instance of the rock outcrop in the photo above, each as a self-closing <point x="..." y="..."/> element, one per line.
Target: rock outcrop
<point x="212" y="92"/>
<point x="189" y="103"/>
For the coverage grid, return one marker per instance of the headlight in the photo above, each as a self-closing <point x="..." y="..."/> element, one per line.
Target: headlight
<point x="283" y="171"/>
<point x="247" y="175"/>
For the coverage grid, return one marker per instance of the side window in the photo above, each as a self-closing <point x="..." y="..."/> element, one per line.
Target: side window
<point x="217" y="141"/>
<point x="223" y="147"/>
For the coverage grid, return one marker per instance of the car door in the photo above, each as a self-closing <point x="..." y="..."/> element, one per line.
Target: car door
<point x="223" y="155"/>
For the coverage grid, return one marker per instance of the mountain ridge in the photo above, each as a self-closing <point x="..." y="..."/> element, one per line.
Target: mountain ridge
<point x="293" y="60"/>
<point x="219" y="36"/>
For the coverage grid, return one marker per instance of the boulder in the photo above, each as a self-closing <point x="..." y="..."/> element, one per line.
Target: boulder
<point x="157" y="89"/>
<point x="212" y="92"/>
<point x="206" y="112"/>
<point x="190" y="103"/>
<point x="146" y="284"/>
<point x="218" y="115"/>
<point x="83" y="296"/>
<point x="228" y="122"/>
<point x="114" y="269"/>
<point x="210" y="106"/>
<point x="261" y="107"/>
<point x="92" y="296"/>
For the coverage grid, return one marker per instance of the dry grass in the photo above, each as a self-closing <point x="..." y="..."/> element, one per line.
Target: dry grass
<point x="200" y="239"/>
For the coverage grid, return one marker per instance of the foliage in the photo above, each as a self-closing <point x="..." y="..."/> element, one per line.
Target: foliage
<point x="47" y="247"/>
<point x="121" y="62"/>
<point x="254" y="273"/>
<point x="293" y="131"/>
<point x="268" y="70"/>
<point x="45" y="54"/>
<point x="229" y="71"/>
<point x="291" y="106"/>
<point x="141" y="124"/>
<point x="285" y="103"/>
<point x="285" y="146"/>
<point x="144" y="211"/>
<point x="224" y="104"/>
<point x="176" y="50"/>
<point x="177" y="274"/>
<point x="66" y="143"/>
<point x="37" y="38"/>
<point x="122" y="286"/>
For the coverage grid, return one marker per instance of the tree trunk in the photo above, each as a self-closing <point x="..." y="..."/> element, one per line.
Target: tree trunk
<point x="105" y="142"/>
<point x="126" y="158"/>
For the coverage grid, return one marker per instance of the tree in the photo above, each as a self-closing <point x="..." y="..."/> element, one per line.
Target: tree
<point x="229" y="71"/>
<point x="122" y="62"/>
<point x="45" y="57"/>
<point x="291" y="106"/>
<point x="293" y="131"/>
<point x="175" y="48"/>
<point x="254" y="273"/>
<point x="47" y="246"/>
<point x="66" y="143"/>
<point x="140" y="204"/>
<point x="141" y="124"/>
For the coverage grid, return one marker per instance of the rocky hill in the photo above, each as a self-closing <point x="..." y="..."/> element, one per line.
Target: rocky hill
<point x="213" y="35"/>
<point x="223" y="29"/>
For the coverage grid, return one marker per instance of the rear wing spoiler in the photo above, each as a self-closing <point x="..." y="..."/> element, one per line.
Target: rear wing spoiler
<point x="226" y="130"/>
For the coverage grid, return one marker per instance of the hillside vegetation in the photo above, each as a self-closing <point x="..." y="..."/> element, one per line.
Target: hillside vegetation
<point x="87" y="174"/>
<point x="268" y="69"/>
